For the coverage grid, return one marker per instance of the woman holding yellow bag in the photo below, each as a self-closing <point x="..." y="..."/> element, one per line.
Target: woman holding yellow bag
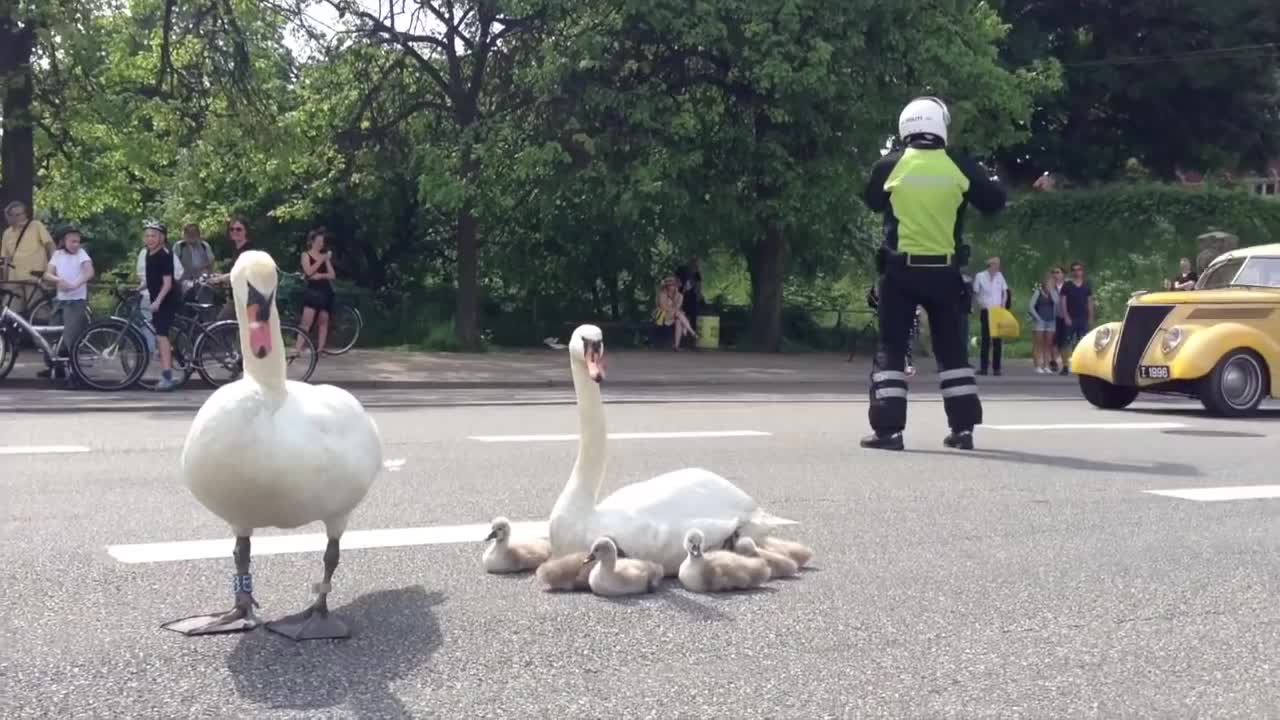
<point x="992" y="292"/>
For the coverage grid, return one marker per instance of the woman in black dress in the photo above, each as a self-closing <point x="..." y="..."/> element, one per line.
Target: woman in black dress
<point x="317" y="298"/>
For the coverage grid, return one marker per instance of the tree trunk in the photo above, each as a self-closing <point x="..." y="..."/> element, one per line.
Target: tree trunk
<point x="17" y="148"/>
<point x="466" y="318"/>
<point x="767" y="265"/>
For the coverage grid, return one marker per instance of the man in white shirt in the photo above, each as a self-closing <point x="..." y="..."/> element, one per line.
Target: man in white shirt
<point x="990" y="290"/>
<point x="70" y="270"/>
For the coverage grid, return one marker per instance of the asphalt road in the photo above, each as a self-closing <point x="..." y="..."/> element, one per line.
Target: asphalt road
<point x="1035" y="577"/>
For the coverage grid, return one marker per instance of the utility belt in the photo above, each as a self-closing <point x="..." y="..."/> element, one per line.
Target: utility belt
<point x="887" y="258"/>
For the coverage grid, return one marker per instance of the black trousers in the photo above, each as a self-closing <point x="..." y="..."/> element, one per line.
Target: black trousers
<point x="992" y="348"/>
<point x="941" y="292"/>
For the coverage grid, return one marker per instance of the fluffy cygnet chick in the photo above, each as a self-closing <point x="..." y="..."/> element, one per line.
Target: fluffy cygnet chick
<point x="567" y="572"/>
<point x="779" y="565"/>
<point x="802" y="554"/>
<point x="612" y="576"/>
<point x="504" y="556"/>
<point x="719" y="570"/>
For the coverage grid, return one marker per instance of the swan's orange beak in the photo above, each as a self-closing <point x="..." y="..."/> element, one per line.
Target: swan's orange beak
<point x="595" y="365"/>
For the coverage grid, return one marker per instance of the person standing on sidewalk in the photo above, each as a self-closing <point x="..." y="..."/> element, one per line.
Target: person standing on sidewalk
<point x="164" y="294"/>
<point x="26" y="247"/>
<point x="690" y="279"/>
<point x="238" y="232"/>
<point x="992" y="290"/>
<point x="923" y="191"/>
<point x="1077" y="311"/>
<point x="71" y="271"/>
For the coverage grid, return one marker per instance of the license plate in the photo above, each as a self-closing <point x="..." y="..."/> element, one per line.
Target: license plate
<point x="1153" y="372"/>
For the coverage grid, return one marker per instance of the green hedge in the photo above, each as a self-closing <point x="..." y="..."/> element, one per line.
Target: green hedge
<point x="1129" y="237"/>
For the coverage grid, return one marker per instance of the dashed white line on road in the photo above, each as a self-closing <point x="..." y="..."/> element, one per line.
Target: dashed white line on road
<point x="42" y="449"/>
<point x="1219" y="494"/>
<point x="315" y="542"/>
<point x="623" y="436"/>
<point x="1090" y="426"/>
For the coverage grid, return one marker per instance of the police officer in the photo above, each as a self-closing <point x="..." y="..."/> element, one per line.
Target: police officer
<point x="923" y="191"/>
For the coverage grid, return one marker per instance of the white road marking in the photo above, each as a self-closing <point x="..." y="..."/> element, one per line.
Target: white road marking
<point x="623" y="436"/>
<point x="394" y="465"/>
<point x="42" y="449"/>
<point x="315" y="542"/>
<point x="1091" y="426"/>
<point x="1219" y="494"/>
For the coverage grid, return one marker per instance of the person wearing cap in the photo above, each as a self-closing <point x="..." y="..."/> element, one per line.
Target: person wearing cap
<point x="165" y="296"/>
<point x="70" y="270"/>
<point x="923" y="191"/>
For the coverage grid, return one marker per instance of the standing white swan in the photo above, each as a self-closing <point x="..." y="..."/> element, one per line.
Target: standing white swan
<point x="646" y="520"/>
<point x="269" y="452"/>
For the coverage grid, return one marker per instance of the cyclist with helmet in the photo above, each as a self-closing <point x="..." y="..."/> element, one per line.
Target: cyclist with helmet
<point x="923" y="191"/>
<point x="165" y="296"/>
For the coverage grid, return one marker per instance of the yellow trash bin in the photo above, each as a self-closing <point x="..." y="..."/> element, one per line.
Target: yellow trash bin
<point x="708" y="332"/>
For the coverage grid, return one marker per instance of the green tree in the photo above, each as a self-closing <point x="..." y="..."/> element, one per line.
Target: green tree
<point x="768" y="113"/>
<point x="464" y="53"/>
<point x="1187" y="82"/>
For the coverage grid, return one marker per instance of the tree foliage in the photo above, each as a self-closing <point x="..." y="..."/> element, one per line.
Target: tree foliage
<point x="1191" y="83"/>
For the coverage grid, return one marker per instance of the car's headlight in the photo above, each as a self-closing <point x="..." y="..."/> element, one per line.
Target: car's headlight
<point x="1172" y="338"/>
<point x="1102" y="339"/>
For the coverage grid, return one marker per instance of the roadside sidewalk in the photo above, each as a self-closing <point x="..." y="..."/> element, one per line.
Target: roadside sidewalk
<point x="389" y="369"/>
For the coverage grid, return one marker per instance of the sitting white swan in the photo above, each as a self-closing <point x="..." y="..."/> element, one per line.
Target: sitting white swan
<point x="613" y="577"/>
<point x="505" y="556"/>
<point x="719" y="570"/>
<point x="264" y="451"/>
<point x="647" y="520"/>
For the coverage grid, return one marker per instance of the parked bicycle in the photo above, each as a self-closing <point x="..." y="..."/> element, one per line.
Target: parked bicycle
<point x="345" y="322"/>
<point x="92" y="353"/>
<point x="218" y="359"/>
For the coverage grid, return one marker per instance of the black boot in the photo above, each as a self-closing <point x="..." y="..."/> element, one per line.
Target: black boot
<point x="959" y="439"/>
<point x="883" y="442"/>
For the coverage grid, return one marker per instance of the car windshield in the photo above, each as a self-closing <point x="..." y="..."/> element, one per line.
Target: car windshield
<point x="1242" y="272"/>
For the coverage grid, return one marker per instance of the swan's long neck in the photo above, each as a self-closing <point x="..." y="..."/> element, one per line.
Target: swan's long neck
<point x="579" y="495"/>
<point x="268" y="372"/>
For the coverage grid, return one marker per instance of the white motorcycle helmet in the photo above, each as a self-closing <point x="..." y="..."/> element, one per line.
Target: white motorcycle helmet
<point x="924" y="116"/>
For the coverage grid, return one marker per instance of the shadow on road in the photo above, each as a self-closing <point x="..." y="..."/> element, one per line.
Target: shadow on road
<point x="1069" y="462"/>
<point x="393" y="632"/>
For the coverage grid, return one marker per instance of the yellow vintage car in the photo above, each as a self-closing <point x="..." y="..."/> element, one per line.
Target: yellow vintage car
<point x="1219" y="342"/>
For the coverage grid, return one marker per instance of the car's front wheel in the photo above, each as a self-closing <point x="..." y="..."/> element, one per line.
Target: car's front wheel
<point x="1236" y="386"/>
<point x="1105" y="395"/>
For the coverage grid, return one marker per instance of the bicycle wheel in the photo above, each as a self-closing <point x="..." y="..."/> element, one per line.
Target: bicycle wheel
<point x="109" y="345"/>
<point x="182" y="339"/>
<point x="8" y="352"/>
<point x="299" y="364"/>
<point x="217" y="353"/>
<point x="344" y="329"/>
<point x="41" y="313"/>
